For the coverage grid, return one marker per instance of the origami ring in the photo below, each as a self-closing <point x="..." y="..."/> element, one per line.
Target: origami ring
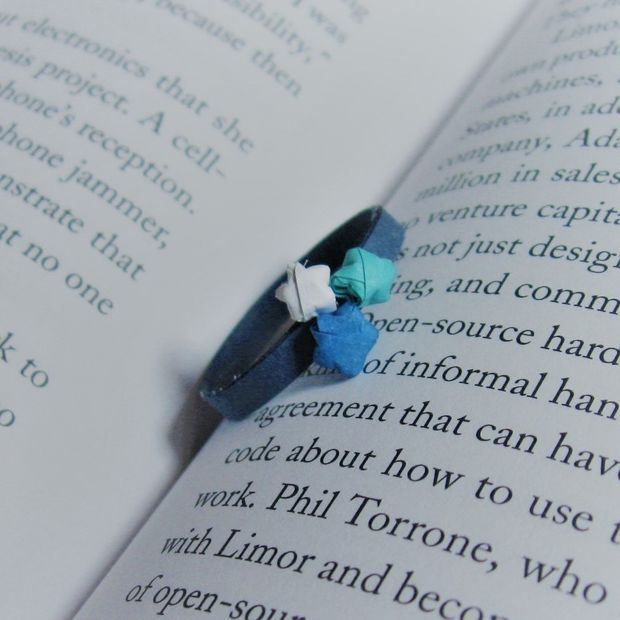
<point x="266" y="351"/>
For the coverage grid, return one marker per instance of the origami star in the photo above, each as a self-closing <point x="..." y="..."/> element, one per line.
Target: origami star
<point x="343" y="340"/>
<point x="364" y="277"/>
<point x="306" y="291"/>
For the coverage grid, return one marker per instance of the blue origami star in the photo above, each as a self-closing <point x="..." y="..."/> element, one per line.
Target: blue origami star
<point x="343" y="340"/>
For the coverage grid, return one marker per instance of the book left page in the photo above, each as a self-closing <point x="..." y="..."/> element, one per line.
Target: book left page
<point x="142" y="145"/>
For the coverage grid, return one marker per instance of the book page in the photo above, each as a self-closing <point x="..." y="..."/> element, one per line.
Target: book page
<point x="471" y="472"/>
<point x="144" y="146"/>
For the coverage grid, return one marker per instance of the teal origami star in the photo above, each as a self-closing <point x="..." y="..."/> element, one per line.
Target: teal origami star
<point x="364" y="278"/>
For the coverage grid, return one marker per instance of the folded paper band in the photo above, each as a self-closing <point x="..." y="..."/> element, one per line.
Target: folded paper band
<point x="267" y="350"/>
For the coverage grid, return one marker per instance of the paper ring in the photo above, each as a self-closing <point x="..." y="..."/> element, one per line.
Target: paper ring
<point x="267" y="351"/>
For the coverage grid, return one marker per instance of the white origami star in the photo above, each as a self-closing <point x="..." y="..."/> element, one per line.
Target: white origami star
<point x="306" y="292"/>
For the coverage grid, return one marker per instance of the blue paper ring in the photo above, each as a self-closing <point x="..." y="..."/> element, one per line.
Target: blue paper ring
<point x="266" y="351"/>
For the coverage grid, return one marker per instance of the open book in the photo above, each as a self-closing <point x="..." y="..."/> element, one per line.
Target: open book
<point x="161" y="162"/>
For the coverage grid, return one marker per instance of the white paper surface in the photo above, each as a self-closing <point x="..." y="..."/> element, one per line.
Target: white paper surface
<point x="149" y="170"/>
<point x="472" y="470"/>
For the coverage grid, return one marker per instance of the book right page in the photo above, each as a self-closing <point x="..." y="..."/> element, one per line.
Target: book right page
<point x="471" y="472"/>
